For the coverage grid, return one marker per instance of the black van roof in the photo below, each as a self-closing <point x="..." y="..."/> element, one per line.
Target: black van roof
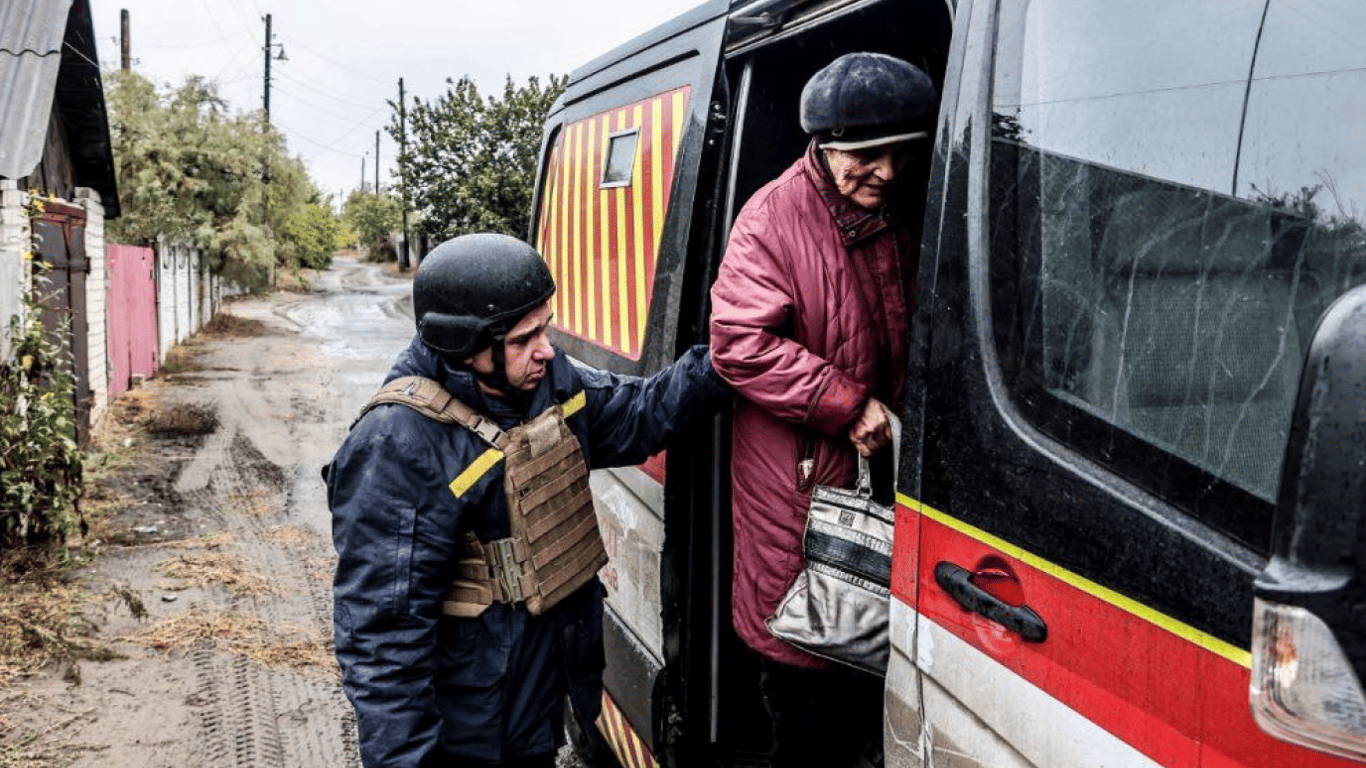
<point x="746" y="16"/>
<point x="672" y="28"/>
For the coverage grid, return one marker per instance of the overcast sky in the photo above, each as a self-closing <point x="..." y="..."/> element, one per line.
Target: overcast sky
<point x="344" y="58"/>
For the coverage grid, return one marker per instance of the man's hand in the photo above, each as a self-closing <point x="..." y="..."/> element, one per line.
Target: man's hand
<point x="872" y="430"/>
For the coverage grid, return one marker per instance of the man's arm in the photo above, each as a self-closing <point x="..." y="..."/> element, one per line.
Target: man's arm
<point x="630" y="418"/>
<point x="386" y="590"/>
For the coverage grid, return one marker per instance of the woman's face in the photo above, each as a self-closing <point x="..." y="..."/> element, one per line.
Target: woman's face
<point x="867" y="176"/>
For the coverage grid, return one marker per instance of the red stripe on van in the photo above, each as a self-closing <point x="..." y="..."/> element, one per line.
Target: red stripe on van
<point x="1172" y="699"/>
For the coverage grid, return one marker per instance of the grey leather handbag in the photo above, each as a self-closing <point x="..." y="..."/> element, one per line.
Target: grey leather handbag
<point x="837" y="607"/>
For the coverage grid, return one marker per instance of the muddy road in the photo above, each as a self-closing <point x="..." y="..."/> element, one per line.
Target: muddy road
<point x="213" y="563"/>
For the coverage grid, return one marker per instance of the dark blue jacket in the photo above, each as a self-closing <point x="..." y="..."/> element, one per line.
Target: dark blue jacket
<point x="428" y="687"/>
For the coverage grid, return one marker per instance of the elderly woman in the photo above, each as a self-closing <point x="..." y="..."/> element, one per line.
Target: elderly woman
<point x="810" y="321"/>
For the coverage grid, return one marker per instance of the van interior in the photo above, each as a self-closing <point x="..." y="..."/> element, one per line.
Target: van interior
<point x="765" y="72"/>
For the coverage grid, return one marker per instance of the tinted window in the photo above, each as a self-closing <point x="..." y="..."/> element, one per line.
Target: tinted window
<point x="1177" y="191"/>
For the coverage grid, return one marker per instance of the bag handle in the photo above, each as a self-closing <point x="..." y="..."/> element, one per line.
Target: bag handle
<point x="864" y="486"/>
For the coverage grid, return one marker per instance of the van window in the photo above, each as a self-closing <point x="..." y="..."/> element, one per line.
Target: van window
<point x="621" y="158"/>
<point x="1177" y="191"/>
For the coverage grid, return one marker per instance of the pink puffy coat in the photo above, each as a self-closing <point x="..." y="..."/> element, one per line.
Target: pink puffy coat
<point x="809" y="319"/>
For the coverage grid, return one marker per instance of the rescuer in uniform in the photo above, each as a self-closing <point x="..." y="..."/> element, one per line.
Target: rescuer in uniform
<point x="467" y="604"/>
<point x="809" y="325"/>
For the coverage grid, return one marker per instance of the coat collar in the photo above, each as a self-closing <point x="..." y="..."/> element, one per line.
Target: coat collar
<point x="854" y="222"/>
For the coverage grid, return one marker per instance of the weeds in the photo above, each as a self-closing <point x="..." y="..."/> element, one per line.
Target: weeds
<point x="227" y="325"/>
<point x="215" y="568"/>
<point x="181" y="420"/>
<point x="40" y="460"/>
<point x="246" y="636"/>
<point x="40" y="621"/>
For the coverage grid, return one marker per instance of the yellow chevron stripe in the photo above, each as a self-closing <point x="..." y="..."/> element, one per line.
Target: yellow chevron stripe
<point x="466" y="480"/>
<point x="1202" y="639"/>
<point x="629" y="748"/>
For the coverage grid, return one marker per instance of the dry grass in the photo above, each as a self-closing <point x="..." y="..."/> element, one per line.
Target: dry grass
<point x="287" y="535"/>
<point x="215" y="569"/>
<point x="40" y="620"/>
<point x="180" y="359"/>
<point x="181" y="420"/>
<point x="246" y="636"/>
<point x="225" y="325"/>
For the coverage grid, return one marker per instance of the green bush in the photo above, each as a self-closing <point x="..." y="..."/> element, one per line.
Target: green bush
<point x="40" y="459"/>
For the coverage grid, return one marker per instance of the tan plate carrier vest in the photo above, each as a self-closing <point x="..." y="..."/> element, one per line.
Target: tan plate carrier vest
<point x="555" y="546"/>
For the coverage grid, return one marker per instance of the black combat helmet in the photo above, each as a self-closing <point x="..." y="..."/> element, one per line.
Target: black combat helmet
<point x="866" y="99"/>
<point x="471" y="289"/>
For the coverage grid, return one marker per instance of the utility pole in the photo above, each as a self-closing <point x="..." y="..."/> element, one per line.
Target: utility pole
<point x="403" y="262"/>
<point x="362" y="174"/>
<point x="125" y="41"/>
<point x="269" y="48"/>
<point x="377" y="161"/>
<point x="265" y="101"/>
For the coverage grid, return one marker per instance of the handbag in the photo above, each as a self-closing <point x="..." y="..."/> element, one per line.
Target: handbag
<point x="837" y="608"/>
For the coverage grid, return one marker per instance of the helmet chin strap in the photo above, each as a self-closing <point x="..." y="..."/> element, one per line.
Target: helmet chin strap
<point x="497" y="379"/>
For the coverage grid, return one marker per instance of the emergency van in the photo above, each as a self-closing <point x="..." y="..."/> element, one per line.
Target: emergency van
<point x="1132" y="492"/>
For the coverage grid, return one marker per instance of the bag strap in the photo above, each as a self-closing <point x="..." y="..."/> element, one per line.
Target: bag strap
<point x="430" y="399"/>
<point x="864" y="485"/>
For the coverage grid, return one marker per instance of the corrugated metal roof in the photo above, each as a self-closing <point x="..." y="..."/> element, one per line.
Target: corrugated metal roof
<point x="31" y="33"/>
<point x="47" y="58"/>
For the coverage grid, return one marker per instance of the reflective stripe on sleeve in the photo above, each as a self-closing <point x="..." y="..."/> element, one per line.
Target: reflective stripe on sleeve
<point x="575" y="404"/>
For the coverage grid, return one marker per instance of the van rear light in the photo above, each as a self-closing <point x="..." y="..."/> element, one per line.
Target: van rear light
<point x="1303" y="689"/>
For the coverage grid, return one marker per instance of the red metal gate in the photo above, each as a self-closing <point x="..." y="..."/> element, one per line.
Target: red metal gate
<point x="132" y="316"/>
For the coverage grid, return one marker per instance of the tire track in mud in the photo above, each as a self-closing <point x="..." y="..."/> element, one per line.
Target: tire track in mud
<point x="281" y="413"/>
<point x="255" y="715"/>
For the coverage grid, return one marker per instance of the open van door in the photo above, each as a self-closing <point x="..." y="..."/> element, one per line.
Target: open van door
<point x="620" y="217"/>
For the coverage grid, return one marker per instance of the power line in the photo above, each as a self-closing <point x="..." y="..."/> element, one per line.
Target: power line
<point x="358" y="124"/>
<point x="304" y="101"/>
<point x="324" y="94"/>
<point x="339" y="65"/>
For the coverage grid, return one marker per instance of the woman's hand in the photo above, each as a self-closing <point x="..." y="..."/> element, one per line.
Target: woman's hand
<point x="872" y="430"/>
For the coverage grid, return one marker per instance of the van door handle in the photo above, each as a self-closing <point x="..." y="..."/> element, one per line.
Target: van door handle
<point x="1020" y="619"/>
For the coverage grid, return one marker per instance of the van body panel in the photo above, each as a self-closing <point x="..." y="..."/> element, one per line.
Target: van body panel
<point x="601" y="236"/>
<point x="1106" y="349"/>
<point x="629" y="505"/>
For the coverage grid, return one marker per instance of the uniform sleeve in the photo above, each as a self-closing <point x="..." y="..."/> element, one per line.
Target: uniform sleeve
<point x="390" y="578"/>
<point x="630" y="418"/>
<point x="753" y="303"/>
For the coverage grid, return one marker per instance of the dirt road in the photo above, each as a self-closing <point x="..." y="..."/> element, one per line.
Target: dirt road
<point x="213" y="576"/>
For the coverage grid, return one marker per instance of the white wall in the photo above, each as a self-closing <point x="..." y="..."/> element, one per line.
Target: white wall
<point x="15" y="241"/>
<point x="96" y="300"/>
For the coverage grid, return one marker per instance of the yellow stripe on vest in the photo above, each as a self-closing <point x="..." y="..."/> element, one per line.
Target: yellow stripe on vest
<point x="574" y="404"/>
<point x="471" y="475"/>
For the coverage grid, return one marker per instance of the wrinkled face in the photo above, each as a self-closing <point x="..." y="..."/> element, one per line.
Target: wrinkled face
<point x="527" y="351"/>
<point x="867" y="176"/>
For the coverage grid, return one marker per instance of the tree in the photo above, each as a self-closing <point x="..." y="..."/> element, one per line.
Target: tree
<point x="371" y="217"/>
<point x="471" y="161"/>
<point x="311" y="235"/>
<point x="189" y="170"/>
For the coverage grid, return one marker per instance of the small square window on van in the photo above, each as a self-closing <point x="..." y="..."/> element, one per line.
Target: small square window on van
<point x="621" y="158"/>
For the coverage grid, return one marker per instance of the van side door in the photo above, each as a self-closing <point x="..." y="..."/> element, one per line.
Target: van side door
<point x="614" y="216"/>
